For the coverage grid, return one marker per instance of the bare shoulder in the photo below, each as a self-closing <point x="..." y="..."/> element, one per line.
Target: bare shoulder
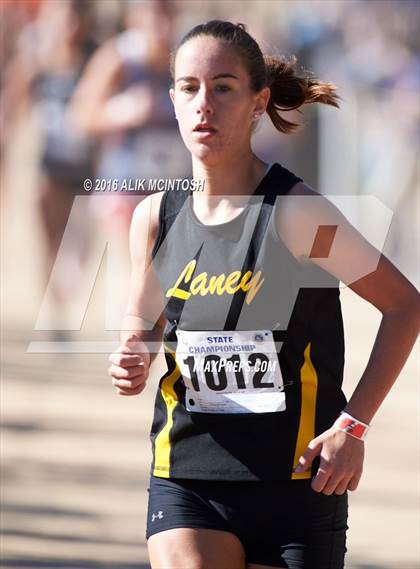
<point x="302" y="189"/>
<point x="144" y="226"/>
<point x="299" y="215"/>
<point x="149" y="208"/>
<point x="308" y="203"/>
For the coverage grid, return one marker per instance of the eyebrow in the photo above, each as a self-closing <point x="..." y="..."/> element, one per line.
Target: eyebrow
<point x="219" y="76"/>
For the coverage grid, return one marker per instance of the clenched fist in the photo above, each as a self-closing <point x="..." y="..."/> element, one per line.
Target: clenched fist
<point x="129" y="367"/>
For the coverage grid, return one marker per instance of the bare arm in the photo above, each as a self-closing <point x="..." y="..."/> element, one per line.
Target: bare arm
<point x="144" y="315"/>
<point x="98" y="105"/>
<point x="143" y="324"/>
<point x="383" y="285"/>
<point x="385" y="288"/>
<point x="16" y="94"/>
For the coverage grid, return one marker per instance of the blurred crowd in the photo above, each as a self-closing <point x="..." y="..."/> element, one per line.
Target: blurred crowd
<point x="90" y="78"/>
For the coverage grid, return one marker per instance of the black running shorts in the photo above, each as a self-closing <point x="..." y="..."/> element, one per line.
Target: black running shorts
<point x="280" y="524"/>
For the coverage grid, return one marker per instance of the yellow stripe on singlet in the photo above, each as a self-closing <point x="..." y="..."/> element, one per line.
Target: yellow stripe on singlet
<point x="162" y="441"/>
<point x="309" y="387"/>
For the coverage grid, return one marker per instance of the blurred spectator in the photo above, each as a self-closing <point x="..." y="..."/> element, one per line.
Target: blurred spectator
<point x="14" y="17"/>
<point x="123" y="98"/>
<point x="50" y="55"/>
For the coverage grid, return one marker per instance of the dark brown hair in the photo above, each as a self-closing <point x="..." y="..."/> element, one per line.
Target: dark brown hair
<point x="289" y="91"/>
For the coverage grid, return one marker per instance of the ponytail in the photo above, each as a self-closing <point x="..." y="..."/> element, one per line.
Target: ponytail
<point x="289" y="91"/>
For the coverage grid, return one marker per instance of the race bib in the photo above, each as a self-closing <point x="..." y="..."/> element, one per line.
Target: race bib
<point x="230" y="372"/>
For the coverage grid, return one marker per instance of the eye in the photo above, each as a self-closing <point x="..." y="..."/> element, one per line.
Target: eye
<point x="189" y="88"/>
<point x="223" y="88"/>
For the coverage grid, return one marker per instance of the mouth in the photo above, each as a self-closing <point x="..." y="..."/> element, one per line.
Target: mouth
<point x="204" y="131"/>
<point x="204" y="127"/>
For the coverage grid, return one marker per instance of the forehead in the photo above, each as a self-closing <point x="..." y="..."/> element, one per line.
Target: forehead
<point x="203" y="54"/>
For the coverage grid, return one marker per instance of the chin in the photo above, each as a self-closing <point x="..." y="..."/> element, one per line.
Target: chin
<point x="207" y="158"/>
<point x="207" y="154"/>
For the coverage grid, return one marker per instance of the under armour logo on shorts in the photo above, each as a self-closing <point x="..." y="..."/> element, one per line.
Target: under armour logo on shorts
<point x="159" y="516"/>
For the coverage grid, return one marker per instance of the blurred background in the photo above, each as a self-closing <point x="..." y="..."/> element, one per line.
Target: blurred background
<point x="84" y="95"/>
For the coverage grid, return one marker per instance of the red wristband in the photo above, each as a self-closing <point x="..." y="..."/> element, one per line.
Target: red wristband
<point x="351" y="426"/>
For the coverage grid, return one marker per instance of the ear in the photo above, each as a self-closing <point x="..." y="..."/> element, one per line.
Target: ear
<point x="261" y="100"/>
<point x="172" y="95"/>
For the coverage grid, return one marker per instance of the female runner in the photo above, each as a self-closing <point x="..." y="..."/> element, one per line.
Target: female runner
<point x="254" y="443"/>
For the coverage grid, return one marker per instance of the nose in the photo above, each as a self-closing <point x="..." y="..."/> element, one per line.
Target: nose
<point x="204" y="103"/>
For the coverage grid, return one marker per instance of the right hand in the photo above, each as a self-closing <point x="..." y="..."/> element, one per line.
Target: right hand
<point x="129" y="367"/>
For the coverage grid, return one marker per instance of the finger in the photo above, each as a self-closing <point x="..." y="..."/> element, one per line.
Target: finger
<point x="354" y="482"/>
<point x="126" y="360"/>
<point x="129" y="383"/>
<point x="320" y="480"/>
<point x="129" y="373"/>
<point x="305" y="461"/>
<point x="342" y="486"/>
<point x="135" y="391"/>
<point x="334" y="481"/>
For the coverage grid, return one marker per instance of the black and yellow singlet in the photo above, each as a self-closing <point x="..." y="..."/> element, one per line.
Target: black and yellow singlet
<point x="240" y="276"/>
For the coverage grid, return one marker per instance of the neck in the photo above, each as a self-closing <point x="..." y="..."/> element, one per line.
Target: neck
<point x="227" y="188"/>
<point x="237" y="176"/>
